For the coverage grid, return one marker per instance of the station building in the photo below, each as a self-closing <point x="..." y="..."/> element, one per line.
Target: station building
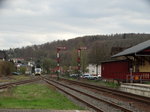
<point x="132" y="64"/>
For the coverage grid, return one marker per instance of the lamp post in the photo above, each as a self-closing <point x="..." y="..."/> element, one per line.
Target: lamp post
<point x="58" y="60"/>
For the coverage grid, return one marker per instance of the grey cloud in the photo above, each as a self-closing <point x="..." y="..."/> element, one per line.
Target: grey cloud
<point x="36" y="21"/>
<point x="2" y="3"/>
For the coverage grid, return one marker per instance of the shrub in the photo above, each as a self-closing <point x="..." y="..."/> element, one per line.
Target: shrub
<point x="22" y="70"/>
<point x="6" y="68"/>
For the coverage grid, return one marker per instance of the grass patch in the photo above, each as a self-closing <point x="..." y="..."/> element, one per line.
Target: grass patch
<point x="35" y="96"/>
<point x="147" y="82"/>
<point x="109" y="84"/>
<point x="97" y="82"/>
<point x="20" y="77"/>
<point x="14" y="78"/>
<point x="104" y="83"/>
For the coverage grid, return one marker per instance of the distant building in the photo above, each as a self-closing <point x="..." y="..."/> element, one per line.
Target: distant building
<point x="93" y="69"/>
<point x="31" y="63"/>
<point x="18" y="60"/>
<point x="28" y="70"/>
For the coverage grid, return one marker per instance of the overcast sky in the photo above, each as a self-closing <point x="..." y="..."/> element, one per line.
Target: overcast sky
<point x="29" y="22"/>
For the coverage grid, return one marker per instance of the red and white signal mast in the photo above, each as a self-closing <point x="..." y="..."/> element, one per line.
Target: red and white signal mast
<point x="79" y="59"/>
<point x="58" y="59"/>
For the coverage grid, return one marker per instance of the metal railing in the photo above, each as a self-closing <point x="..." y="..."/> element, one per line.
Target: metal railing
<point x="138" y="76"/>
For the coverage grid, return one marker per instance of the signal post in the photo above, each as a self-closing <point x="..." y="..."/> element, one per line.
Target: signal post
<point x="58" y="60"/>
<point x="79" y="59"/>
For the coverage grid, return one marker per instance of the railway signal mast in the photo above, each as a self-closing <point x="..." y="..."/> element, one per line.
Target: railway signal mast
<point x="58" y="60"/>
<point x="79" y="59"/>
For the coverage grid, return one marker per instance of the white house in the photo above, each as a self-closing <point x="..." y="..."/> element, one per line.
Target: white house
<point x="31" y="63"/>
<point x="92" y="69"/>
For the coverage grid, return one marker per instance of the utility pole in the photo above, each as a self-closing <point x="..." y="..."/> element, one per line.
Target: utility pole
<point x="58" y="60"/>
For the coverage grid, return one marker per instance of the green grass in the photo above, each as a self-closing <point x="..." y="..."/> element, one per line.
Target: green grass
<point x="110" y="84"/>
<point x="35" y="96"/>
<point x="148" y="82"/>
<point x="98" y="82"/>
<point x="14" y="78"/>
<point x="20" y="77"/>
<point x="105" y="83"/>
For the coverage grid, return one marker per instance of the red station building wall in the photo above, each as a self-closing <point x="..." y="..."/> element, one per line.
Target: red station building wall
<point x="115" y="69"/>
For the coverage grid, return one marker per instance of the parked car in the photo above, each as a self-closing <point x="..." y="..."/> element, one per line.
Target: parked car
<point x="73" y="75"/>
<point x="84" y="76"/>
<point x="89" y="76"/>
<point x="16" y="73"/>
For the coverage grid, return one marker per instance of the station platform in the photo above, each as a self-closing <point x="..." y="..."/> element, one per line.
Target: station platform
<point x="40" y="110"/>
<point x="136" y="88"/>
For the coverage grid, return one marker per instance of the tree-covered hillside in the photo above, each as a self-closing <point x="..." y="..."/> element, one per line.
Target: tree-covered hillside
<point x="99" y="48"/>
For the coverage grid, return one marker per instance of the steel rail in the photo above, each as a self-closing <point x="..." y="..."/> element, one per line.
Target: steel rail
<point x="77" y="98"/>
<point x="139" y="98"/>
<point x="18" y="83"/>
<point x="91" y="96"/>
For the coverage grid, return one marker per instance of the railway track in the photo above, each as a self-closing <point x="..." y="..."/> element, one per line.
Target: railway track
<point x="59" y="86"/>
<point x="3" y="86"/>
<point x="112" y="91"/>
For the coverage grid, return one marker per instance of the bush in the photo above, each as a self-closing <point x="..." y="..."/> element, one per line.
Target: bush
<point x="22" y="70"/>
<point x="6" y="68"/>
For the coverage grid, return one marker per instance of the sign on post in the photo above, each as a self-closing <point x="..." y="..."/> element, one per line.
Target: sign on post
<point x="83" y="48"/>
<point x="58" y="59"/>
<point x="61" y="48"/>
<point x="79" y="59"/>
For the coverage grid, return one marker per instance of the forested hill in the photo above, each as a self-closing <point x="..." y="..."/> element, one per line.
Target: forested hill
<point x="99" y="48"/>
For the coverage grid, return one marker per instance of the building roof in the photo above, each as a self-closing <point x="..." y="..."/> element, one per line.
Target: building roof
<point x="111" y="61"/>
<point x="135" y="49"/>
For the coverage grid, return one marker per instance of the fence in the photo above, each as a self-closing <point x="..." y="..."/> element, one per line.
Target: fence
<point x="139" y="76"/>
<point x="128" y="77"/>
